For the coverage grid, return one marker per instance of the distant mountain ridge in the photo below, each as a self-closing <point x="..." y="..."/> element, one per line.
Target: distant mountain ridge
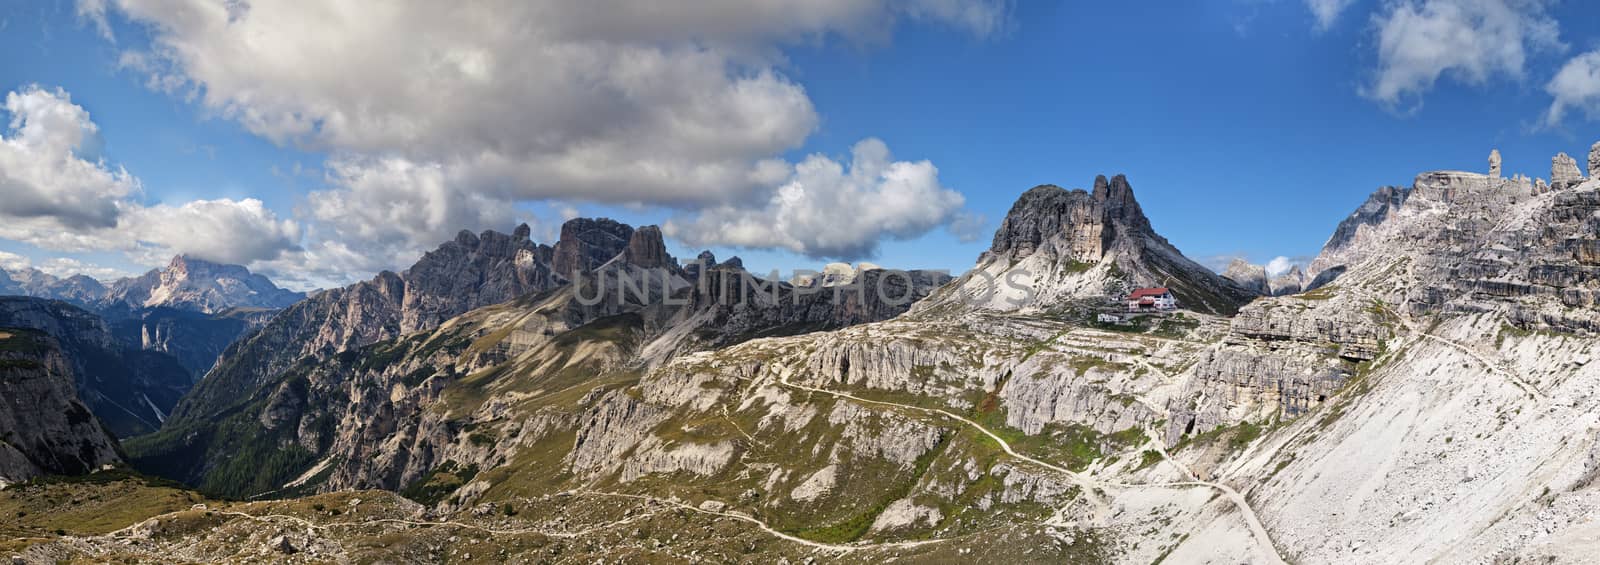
<point x="186" y="283"/>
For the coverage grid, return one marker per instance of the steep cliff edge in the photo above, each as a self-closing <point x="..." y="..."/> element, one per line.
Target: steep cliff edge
<point x="44" y="428"/>
<point x="131" y="390"/>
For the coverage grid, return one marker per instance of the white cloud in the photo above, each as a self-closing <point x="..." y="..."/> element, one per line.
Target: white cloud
<point x="1327" y="11"/>
<point x="442" y="116"/>
<point x="223" y="230"/>
<point x="44" y="182"/>
<point x="826" y="209"/>
<point x="13" y="262"/>
<point x="393" y="207"/>
<point x="54" y="198"/>
<point x="1576" y="86"/>
<point x="63" y="267"/>
<point x="1470" y="41"/>
<point x="94" y="12"/>
<point x="1279" y="265"/>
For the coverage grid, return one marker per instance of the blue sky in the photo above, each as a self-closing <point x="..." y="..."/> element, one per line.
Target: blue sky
<point x="1247" y="128"/>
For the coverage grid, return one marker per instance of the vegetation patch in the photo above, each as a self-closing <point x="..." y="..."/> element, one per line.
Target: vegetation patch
<point x="440" y="482"/>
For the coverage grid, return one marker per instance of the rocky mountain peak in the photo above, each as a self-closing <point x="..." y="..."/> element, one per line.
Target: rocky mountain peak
<point x="1564" y="172"/>
<point x="587" y="243"/>
<point x="647" y="249"/>
<point x="1040" y="214"/>
<point x="1077" y="244"/>
<point x="1250" y="276"/>
<point x="522" y="232"/>
<point x="192" y="283"/>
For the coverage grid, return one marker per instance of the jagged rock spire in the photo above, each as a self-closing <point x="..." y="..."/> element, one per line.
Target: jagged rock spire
<point x="646" y="249"/>
<point x="587" y="243"/>
<point x="1594" y="160"/>
<point x="1564" y="172"/>
<point x="1494" y="163"/>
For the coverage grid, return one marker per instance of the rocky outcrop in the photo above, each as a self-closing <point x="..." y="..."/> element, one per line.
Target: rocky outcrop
<point x="646" y="249"/>
<point x="1494" y="163"/>
<point x="1594" y="160"/>
<point x="337" y="357"/>
<point x="44" y="427"/>
<point x="195" y="339"/>
<point x="1564" y="172"/>
<point x="588" y="243"/>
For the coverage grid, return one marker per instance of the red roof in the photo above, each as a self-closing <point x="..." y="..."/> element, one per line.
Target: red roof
<point x="1143" y="292"/>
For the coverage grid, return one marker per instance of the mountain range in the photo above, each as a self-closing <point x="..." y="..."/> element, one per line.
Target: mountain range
<point x="186" y="283"/>
<point x="1421" y="391"/>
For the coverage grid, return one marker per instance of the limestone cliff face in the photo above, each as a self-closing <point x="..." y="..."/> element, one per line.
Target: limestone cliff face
<point x="1465" y="242"/>
<point x="473" y="271"/>
<point x="44" y="427"/>
<point x="588" y="243"/>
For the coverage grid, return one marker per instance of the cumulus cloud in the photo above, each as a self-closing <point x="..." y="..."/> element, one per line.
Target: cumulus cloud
<point x="1279" y="265"/>
<point x="465" y="110"/>
<point x="392" y="207"/>
<point x="43" y="178"/>
<point x="52" y="197"/>
<point x="1327" y="11"/>
<point x="616" y="100"/>
<point x="223" y="230"/>
<point x="827" y="209"/>
<point x="13" y="262"/>
<point x="1470" y="41"/>
<point x="1575" y="86"/>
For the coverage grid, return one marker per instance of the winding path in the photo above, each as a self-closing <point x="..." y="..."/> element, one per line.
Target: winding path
<point x="1088" y="485"/>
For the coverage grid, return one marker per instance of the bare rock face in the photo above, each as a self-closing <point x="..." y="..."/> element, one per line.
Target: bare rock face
<point x="1059" y="245"/>
<point x="1253" y="277"/>
<point x="1564" y="172"/>
<point x="1494" y="163"/>
<point x="44" y="427"/>
<point x="646" y="249"/>
<point x="471" y="271"/>
<point x="588" y="243"/>
<point x="1594" y="160"/>
<point x="1292" y="281"/>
